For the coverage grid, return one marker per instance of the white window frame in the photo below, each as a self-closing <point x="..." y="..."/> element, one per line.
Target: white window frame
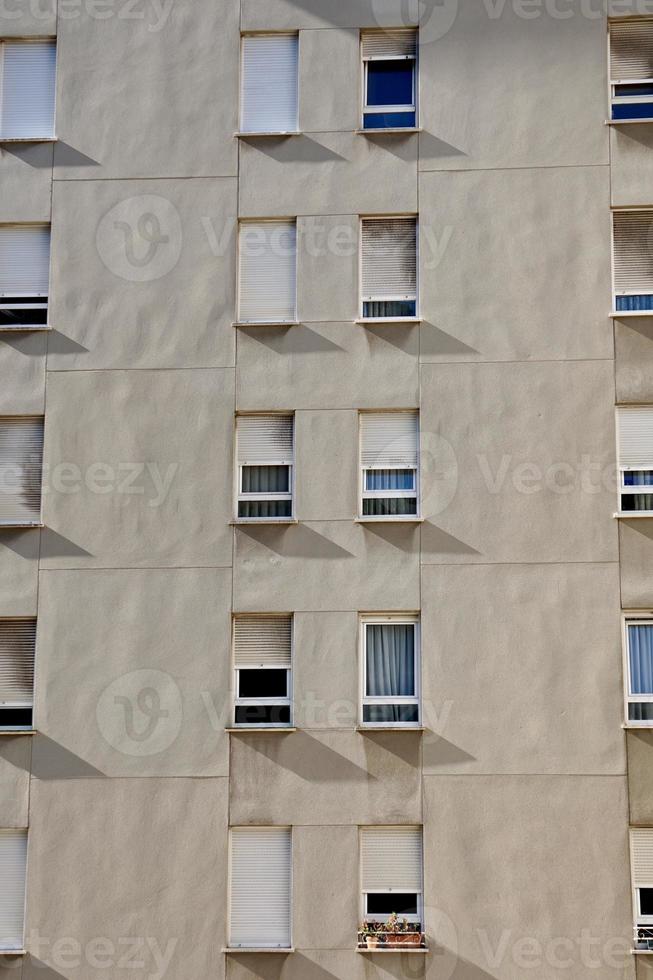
<point x="613" y="83"/>
<point x="264" y="702"/>
<point x="30" y="40"/>
<point x="364" y="494"/>
<point x="387" y="297"/>
<point x="629" y="491"/>
<point x="253" y="497"/>
<point x="40" y="300"/>
<point x="417" y="919"/>
<point x="390" y="619"/>
<point x="17" y="704"/>
<point x="241" y="79"/>
<point x="292" y="883"/>
<point x="368" y="110"/>
<point x="633" y="619"/>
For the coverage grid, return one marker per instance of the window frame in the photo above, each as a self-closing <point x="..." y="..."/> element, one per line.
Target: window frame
<point x="389" y="619"/>
<point x="417" y="919"/>
<point x="263" y="702"/>
<point x="290" y="829"/>
<point x="614" y="99"/>
<point x="379" y="110"/>
<point x="41" y="39"/>
<point x="253" y="497"/>
<point x="241" y="79"/>
<point x="633" y="618"/>
<point x="623" y="490"/>
<point x="388" y="297"/>
<point x="364" y="494"/>
<point x="242" y="224"/>
<point x="40" y="301"/>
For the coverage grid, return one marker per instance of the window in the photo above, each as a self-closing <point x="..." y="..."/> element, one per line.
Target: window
<point x="631" y="69"/>
<point x="641" y="859"/>
<point x="269" y="83"/>
<point x="13" y="862"/>
<point x="389" y="447"/>
<point x="24" y="276"/>
<point x="262" y="664"/>
<point x="635" y="458"/>
<point x="639" y="670"/>
<point x="388" y="268"/>
<point x="391" y="671"/>
<point x="28" y="73"/>
<point x="633" y="261"/>
<point x="260" y="873"/>
<point x="389" y="79"/>
<point x="17" y="645"/>
<point x="21" y="463"/>
<point x="265" y="466"/>
<point x="391" y="874"/>
<point x="268" y="274"/>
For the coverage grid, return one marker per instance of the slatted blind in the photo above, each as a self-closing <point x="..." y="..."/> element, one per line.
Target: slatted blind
<point x="641" y="848"/>
<point x="268" y="271"/>
<point x="262" y="641"/>
<point x="24" y="260"/>
<point x="633" y="251"/>
<point x="269" y="83"/>
<point x="13" y="862"/>
<point x="391" y="858"/>
<point x="389" y="439"/>
<point x="631" y="49"/>
<point x="28" y="89"/>
<point x="21" y="464"/>
<point x="389" y="257"/>
<point x="388" y="44"/>
<point x="261" y="860"/>
<point x="265" y="440"/>
<point x="17" y="646"/>
<point x="635" y="437"/>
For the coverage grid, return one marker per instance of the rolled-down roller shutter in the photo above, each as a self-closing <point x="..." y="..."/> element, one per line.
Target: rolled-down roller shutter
<point x="641" y="850"/>
<point x="391" y="859"/>
<point x="389" y="44"/>
<point x="265" y="440"/>
<point x="13" y="862"/>
<point x="28" y="89"/>
<point x="631" y="49"/>
<point x="24" y="260"/>
<point x="17" y="646"/>
<point x="389" y="439"/>
<point x="260" y="887"/>
<point x="268" y="273"/>
<point x="269" y="94"/>
<point x="633" y="251"/>
<point x="262" y="641"/>
<point x="389" y="258"/>
<point x="635" y="437"/>
<point x="21" y="465"/>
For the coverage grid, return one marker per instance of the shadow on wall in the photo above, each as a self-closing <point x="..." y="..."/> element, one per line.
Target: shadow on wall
<point x="308" y="758"/>
<point x="50" y="760"/>
<point x="291" y="340"/>
<point x="294" y="149"/>
<point x="293" y="541"/>
<point x="33" y="969"/>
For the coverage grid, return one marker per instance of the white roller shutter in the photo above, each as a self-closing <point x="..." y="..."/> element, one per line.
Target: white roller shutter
<point x="13" y="863"/>
<point x="389" y="44"/>
<point x="389" y="439"/>
<point x="635" y="437"/>
<point x="17" y="646"/>
<point x="268" y="271"/>
<point x="269" y="83"/>
<point x="641" y="847"/>
<point x="21" y="464"/>
<point x="24" y="260"/>
<point x="631" y="49"/>
<point x="633" y="251"/>
<point x="389" y="258"/>
<point x="261" y="859"/>
<point x="262" y="641"/>
<point x="391" y="859"/>
<point x="265" y="440"/>
<point x="28" y="89"/>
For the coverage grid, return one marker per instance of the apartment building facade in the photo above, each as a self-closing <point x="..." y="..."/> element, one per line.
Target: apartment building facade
<point x="326" y="517"/>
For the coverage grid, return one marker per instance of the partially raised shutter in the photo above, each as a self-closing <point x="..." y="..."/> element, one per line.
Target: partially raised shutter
<point x="633" y="251"/>
<point x="631" y="49"/>
<point x="389" y="439"/>
<point x="269" y="83"/>
<point x="262" y="641"/>
<point x="391" y="859"/>
<point x="265" y="440"/>
<point x="389" y="258"/>
<point x="24" y="260"/>
<point x="17" y="646"/>
<point x="21" y="464"/>
<point x="260" y="887"/>
<point x="389" y="44"/>
<point x="641" y="847"/>
<point x="13" y="862"/>
<point x="28" y="89"/>
<point x="635" y="437"/>
<point x="268" y="271"/>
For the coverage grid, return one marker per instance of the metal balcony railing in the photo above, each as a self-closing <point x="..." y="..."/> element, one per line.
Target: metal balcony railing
<point x="644" y="938"/>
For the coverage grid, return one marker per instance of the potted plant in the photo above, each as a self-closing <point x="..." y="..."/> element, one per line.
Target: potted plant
<point x="400" y="932"/>
<point x="370" y="934"/>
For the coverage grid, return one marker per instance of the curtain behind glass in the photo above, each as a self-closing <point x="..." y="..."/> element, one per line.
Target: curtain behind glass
<point x="390" y="662"/>
<point x="640" y="652"/>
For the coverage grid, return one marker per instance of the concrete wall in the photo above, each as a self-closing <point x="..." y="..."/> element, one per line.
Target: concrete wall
<point x="520" y="778"/>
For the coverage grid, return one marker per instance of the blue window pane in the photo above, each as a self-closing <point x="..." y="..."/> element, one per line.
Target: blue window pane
<point x="389" y="479"/>
<point x="389" y="120"/>
<point x="634" y="303"/>
<point x="638" y="478"/>
<point x="390" y="82"/>
<point x="633" y="110"/>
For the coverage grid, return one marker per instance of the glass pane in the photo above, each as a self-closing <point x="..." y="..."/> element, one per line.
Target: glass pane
<point x="266" y="479"/>
<point x="646" y="901"/>
<point x="390" y="308"/>
<point x="638" y="478"/>
<point x="265" y="508"/>
<point x="640" y="655"/>
<point x="15" y="717"/>
<point x="390" y="82"/>
<point x="633" y="88"/>
<point x="389" y="120"/>
<point x="401" y="903"/>
<point x="390" y="479"/>
<point x="389" y="506"/>
<point x="644" y="302"/>
<point x="389" y="714"/>
<point x="636" y="501"/>
<point x="262" y="683"/>
<point x="268" y="714"/>
<point x="640" y="712"/>
<point x="632" y="110"/>
<point x="390" y="660"/>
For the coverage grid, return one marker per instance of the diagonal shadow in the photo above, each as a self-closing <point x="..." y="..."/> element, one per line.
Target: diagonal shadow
<point x="293" y="541"/>
<point x="268" y="967"/>
<point x="58" y="343"/>
<point x="435" y="146"/>
<point x="435" y="343"/>
<point x="42" y="971"/>
<point x="23" y="342"/>
<point x="68" y="156"/>
<point x="405" y="745"/>
<point x="403" y="537"/>
<point x="37" y="155"/>
<point x="310" y="970"/>
<point x="299" y="149"/>
<point x="50" y="760"/>
<point x="291" y="340"/>
<point x="54" y="545"/>
<point x="437" y="751"/>
<point x="642" y="133"/>
<point x="403" y="146"/>
<point x="309" y="759"/>
<point x="403" y="336"/>
<point x="642" y="525"/>
<point x="641" y="325"/>
<point x="436" y="540"/>
<point x="25" y="544"/>
<point x="354" y="13"/>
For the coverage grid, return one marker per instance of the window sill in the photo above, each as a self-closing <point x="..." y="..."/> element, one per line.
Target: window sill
<point x="261" y="730"/>
<point x="258" y="949"/>
<point x="393" y="949"/>
<point x="12" y="952"/>
<point x="27" y="139"/>
<point x="367" y="320"/>
<point x="244" y="521"/>
<point x="240" y="135"/>
<point x="628" y="122"/>
<point x="366" y="729"/>
<point x="390" y="520"/>
<point x="641" y="952"/>
<point x="265" y="323"/>
<point x="17" y="731"/>
<point x="390" y="131"/>
<point x="626" y="515"/>
<point x="9" y="525"/>
<point x="24" y="327"/>
<point x="618" y="314"/>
